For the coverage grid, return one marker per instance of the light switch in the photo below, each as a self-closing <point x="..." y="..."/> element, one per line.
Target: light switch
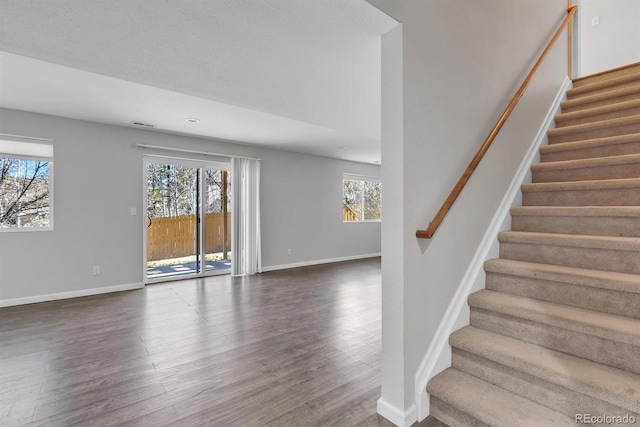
<point x="134" y="211"/>
<point x="595" y="21"/>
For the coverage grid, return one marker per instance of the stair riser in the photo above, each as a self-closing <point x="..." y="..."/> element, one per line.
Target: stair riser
<point x="592" y="152"/>
<point x="562" y="121"/>
<point x="554" y="396"/>
<point x="614" y="302"/>
<point x="580" y="92"/>
<point x="609" y="75"/>
<point x="621" y="171"/>
<point x="451" y="416"/>
<point x="569" y="107"/>
<point x="617" y="354"/>
<point x="604" y="197"/>
<point x="596" y="133"/>
<point x="589" y="258"/>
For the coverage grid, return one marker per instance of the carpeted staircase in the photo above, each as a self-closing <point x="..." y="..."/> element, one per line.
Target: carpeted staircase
<point x="556" y="332"/>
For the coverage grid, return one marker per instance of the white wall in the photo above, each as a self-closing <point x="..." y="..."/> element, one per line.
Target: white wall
<point x="462" y="60"/>
<point x="612" y="43"/>
<point x="98" y="178"/>
<point x="393" y="232"/>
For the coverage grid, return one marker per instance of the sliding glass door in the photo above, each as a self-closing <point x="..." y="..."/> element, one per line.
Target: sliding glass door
<point x="188" y="226"/>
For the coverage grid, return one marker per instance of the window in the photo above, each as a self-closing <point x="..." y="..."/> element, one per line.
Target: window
<point x="361" y="198"/>
<point x="26" y="184"/>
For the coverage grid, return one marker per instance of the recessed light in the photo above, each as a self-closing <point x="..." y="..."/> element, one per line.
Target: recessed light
<point x="342" y="147"/>
<point x="192" y="120"/>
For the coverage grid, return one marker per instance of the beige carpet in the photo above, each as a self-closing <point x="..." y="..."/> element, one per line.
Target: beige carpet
<point x="554" y="339"/>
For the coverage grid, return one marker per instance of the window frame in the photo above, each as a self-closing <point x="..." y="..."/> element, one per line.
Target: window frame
<point x="11" y="149"/>
<point x="363" y="179"/>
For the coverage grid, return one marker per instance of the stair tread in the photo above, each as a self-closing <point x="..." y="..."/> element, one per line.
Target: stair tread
<point x="610" y="280"/>
<point x="490" y="404"/>
<point x="611" y="94"/>
<point x="589" y="87"/>
<point x="617" y="106"/>
<point x="574" y="240"/>
<point x="587" y="163"/>
<point x="591" y="143"/>
<point x="608" y="326"/>
<point x="603" y="382"/>
<point x="599" y="184"/>
<point x="600" y="124"/>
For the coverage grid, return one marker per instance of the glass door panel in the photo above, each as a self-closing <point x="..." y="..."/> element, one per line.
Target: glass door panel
<point x="217" y="227"/>
<point x="173" y="211"/>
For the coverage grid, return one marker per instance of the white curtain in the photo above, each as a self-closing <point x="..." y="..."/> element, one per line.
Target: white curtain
<point x="245" y="190"/>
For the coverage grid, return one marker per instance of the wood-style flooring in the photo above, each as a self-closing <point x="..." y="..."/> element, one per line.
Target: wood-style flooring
<point x="299" y="347"/>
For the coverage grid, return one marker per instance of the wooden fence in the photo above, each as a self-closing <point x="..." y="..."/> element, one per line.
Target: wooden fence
<point x="175" y="236"/>
<point x="348" y="214"/>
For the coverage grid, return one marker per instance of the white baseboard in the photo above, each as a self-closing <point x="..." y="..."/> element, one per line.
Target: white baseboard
<point x="438" y="356"/>
<point x="396" y="415"/>
<point x="317" y="262"/>
<point x="71" y="294"/>
<point x="131" y="286"/>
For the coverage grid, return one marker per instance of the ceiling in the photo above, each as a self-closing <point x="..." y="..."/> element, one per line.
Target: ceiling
<point x="298" y="75"/>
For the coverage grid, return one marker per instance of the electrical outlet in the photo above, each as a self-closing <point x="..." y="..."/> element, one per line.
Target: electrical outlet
<point x="96" y="270"/>
<point x="289" y="251"/>
<point x="595" y="21"/>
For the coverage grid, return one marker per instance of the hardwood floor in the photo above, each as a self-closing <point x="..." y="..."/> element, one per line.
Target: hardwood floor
<point x="291" y="348"/>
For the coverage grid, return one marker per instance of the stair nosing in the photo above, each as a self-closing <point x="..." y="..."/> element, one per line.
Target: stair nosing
<point x="602" y="109"/>
<point x="596" y="184"/>
<point x="577" y="211"/>
<point x="594" y="162"/>
<point x="589" y="322"/>
<point x="600" y="279"/>
<point x="531" y="363"/>
<point x="589" y="87"/>
<point x="600" y="124"/>
<point x="477" y="407"/>
<point x="592" y="143"/>
<point x="574" y="240"/>
<point x="611" y="94"/>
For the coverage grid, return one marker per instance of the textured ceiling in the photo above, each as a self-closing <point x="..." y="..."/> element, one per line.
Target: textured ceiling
<point x="313" y="63"/>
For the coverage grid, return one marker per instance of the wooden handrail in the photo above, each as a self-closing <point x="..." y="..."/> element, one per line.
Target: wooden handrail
<point x="570" y="41"/>
<point x="437" y="220"/>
